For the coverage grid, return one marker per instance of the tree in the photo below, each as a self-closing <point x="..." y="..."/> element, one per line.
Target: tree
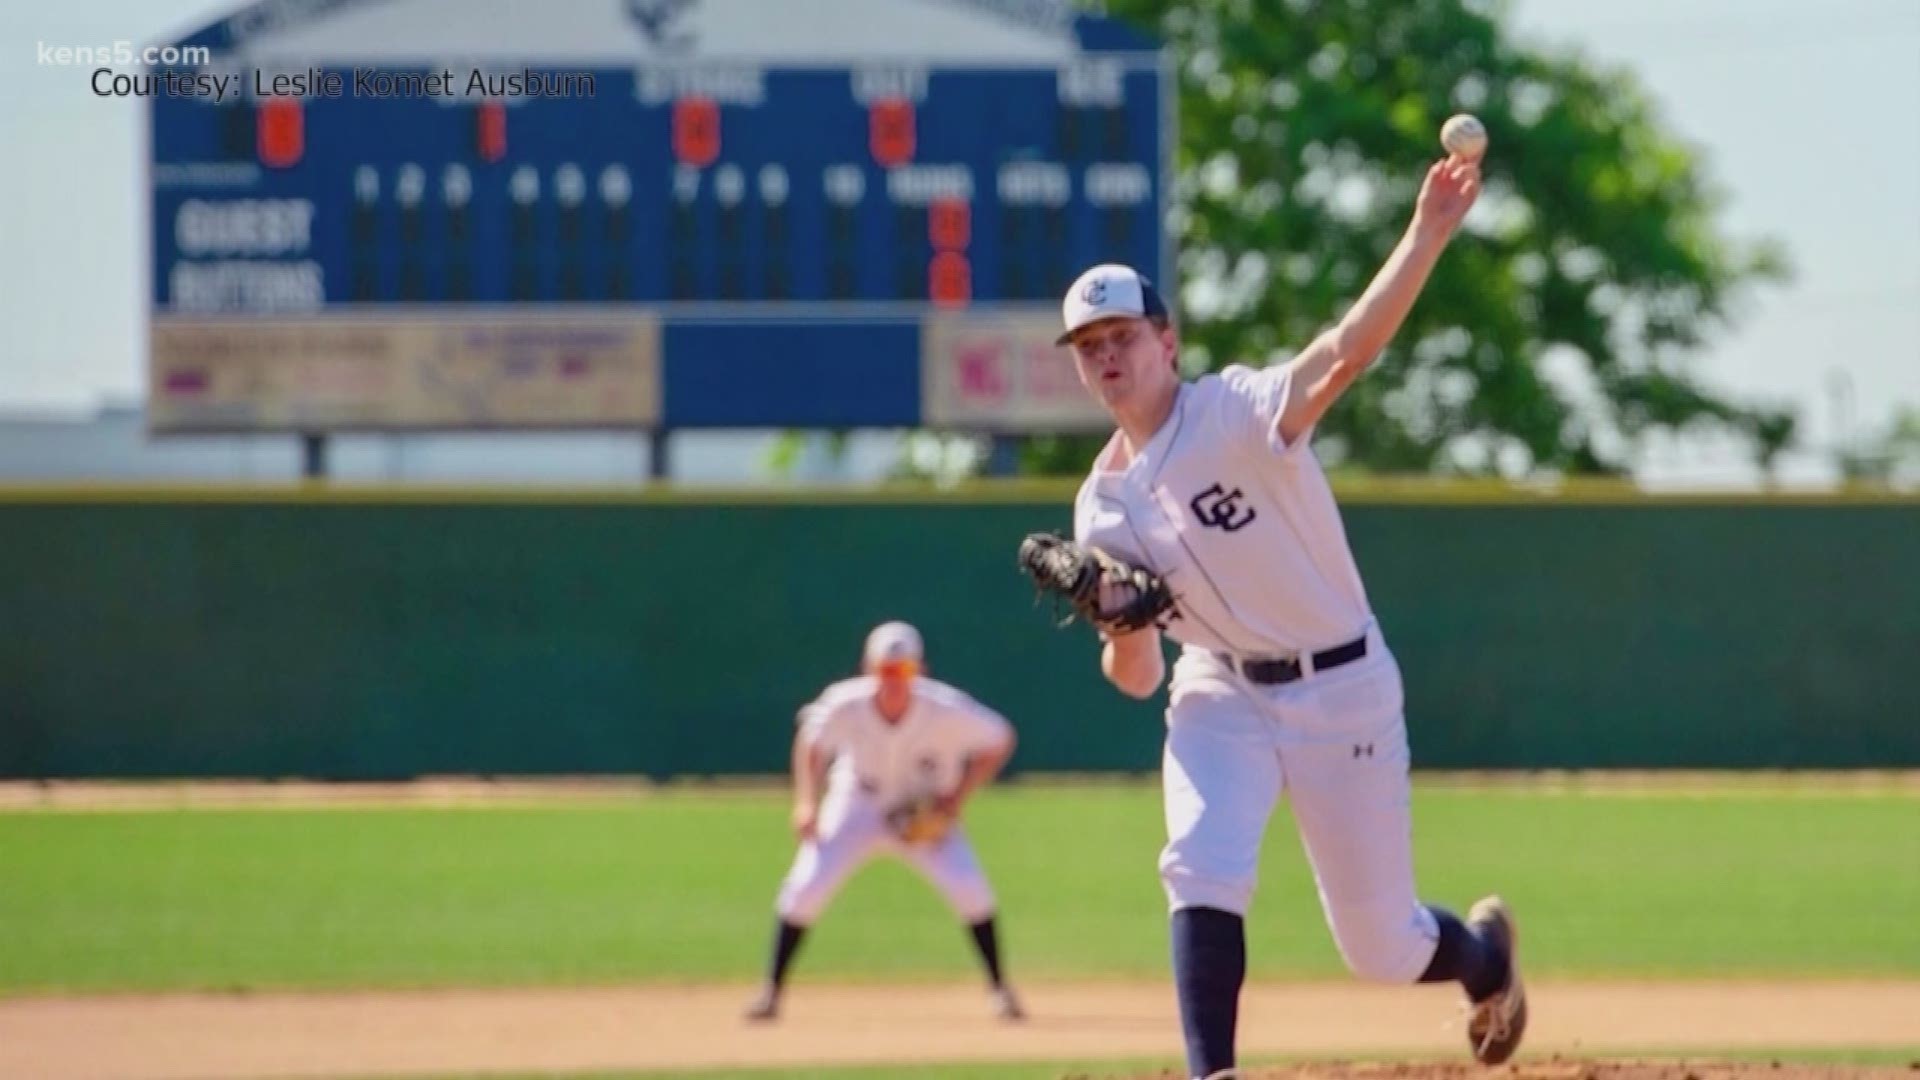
<point x="1558" y="328"/>
<point x="1891" y="456"/>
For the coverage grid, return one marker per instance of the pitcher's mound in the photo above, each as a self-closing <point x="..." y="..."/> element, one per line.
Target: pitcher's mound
<point x="1561" y="1069"/>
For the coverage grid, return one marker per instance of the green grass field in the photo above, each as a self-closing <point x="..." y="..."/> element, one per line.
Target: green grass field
<point x="679" y="886"/>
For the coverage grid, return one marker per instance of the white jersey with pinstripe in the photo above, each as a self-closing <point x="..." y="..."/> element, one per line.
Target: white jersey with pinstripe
<point x="1243" y="527"/>
<point x="876" y="765"/>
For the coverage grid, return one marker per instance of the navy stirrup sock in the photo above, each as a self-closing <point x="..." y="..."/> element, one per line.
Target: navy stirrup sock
<point x="1463" y="956"/>
<point x="987" y="941"/>
<point x="1209" y="965"/>
<point x="786" y="942"/>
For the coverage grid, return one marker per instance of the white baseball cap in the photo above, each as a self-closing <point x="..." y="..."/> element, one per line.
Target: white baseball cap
<point x="1106" y="291"/>
<point x="893" y="643"/>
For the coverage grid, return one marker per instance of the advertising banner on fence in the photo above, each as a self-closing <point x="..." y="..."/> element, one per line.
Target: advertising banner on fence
<point x="396" y="373"/>
<point x="1002" y="373"/>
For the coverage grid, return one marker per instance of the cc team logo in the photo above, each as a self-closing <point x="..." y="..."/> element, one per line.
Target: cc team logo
<point x="1095" y="293"/>
<point x="1216" y="508"/>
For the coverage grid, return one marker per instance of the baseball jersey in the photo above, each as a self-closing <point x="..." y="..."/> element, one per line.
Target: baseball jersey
<point x="924" y="752"/>
<point x="1242" y="526"/>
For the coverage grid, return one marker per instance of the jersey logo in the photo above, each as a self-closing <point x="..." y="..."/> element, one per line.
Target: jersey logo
<point x="1219" y="509"/>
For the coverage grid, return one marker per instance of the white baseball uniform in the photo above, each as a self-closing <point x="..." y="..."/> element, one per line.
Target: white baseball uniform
<point x="1245" y="530"/>
<point x="877" y="766"/>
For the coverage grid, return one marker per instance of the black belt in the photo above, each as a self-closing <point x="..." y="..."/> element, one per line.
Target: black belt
<point x="1285" y="670"/>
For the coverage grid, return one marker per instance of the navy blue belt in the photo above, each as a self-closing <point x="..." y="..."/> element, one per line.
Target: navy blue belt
<point x="1280" y="671"/>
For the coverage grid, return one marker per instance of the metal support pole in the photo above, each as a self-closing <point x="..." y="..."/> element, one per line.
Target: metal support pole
<point x="313" y="455"/>
<point x="659" y="462"/>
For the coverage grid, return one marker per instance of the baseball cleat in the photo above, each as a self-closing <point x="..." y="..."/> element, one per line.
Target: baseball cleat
<point x="1005" y="1005"/>
<point x="765" y="1007"/>
<point x="1494" y="1026"/>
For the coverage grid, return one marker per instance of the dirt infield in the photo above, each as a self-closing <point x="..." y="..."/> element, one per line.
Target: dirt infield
<point x="1561" y="1069"/>
<point x="395" y="1034"/>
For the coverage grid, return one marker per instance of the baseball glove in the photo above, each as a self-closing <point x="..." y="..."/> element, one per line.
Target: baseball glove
<point x="1105" y="591"/>
<point x="920" y="820"/>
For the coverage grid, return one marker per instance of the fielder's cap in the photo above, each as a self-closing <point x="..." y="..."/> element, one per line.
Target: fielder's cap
<point x="1108" y="290"/>
<point x="893" y="643"/>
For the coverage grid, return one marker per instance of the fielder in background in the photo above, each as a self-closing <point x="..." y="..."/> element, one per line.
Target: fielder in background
<point x="1285" y="681"/>
<point x="900" y="754"/>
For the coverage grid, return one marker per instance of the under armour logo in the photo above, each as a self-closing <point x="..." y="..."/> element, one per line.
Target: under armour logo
<point x="1361" y="750"/>
<point x="1218" y="509"/>
<point x="655" y="19"/>
<point x="1096" y="291"/>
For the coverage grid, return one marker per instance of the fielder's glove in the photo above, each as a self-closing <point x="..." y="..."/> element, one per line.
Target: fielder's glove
<point x="925" y="819"/>
<point x="1114" y="596"/>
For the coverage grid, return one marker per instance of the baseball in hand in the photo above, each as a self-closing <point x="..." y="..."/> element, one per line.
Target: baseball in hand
<point x="1464" y="136"/>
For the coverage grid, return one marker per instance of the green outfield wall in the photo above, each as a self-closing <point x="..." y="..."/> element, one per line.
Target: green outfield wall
<point x="385" y="634"/>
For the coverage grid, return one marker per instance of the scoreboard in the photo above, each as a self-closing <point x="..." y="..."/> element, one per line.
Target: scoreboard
<point x="710" y="241"/>
<point x="948" y="186"/>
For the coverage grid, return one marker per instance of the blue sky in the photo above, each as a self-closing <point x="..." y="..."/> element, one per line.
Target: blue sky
<point x="1808" y="115"/>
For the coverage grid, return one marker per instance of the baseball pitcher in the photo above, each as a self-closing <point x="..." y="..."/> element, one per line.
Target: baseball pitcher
<point x="1207" y="518"/>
